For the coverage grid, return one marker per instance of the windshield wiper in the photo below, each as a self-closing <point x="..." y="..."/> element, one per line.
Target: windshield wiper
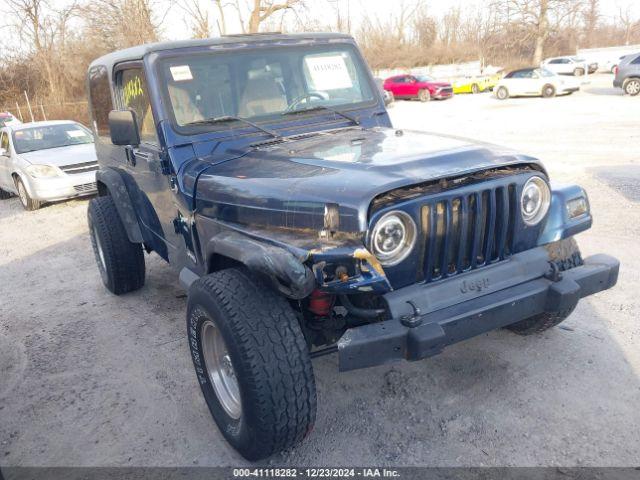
<point x="323" y="107"/>
<point x="229" y="118"/>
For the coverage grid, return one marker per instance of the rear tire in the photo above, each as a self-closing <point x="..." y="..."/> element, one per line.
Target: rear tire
<point x="424" y="95"/>
<point x="565" y="254"/>
<point x="28" y="203"/>
<point x="263" y="351"/>
<point x="502" y="93"/>
<point x="631" y="86"/>
<point x="548" y="91"/>
<point x="120" y="262"/>
<point x="475" y="88"/>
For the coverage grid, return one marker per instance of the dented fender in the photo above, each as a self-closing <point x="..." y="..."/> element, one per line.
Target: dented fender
<point x="279" y="267"/>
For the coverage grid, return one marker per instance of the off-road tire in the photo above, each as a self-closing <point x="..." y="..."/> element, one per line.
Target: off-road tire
<point x="565" y="254"/>
<point x="4" y="195"/>
<point x="475" y="88"/>
<point x="28" y="203"/>
<point x="269" y="356"/>
<point x="578" y="72"/>
<point x="502" y="93"/>
<point x="424" y="95"/>
<point x="631" y="86"/>
<point x="120" y="262"/>
<point x="548" y="91"/>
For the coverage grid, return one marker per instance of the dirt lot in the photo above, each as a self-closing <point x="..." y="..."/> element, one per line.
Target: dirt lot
<point x="87" y="378"/>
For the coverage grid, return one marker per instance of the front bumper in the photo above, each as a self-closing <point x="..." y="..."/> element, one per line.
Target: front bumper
<point x="442" y="95"/>
<point x="427" y="318"/>
<point x="62" y="187"/>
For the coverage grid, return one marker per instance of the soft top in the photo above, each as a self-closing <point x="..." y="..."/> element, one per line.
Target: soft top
<point x="138" y="52"/>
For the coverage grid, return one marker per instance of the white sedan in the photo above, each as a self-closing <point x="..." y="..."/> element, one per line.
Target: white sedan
<point x="569" y="66"/>
<point x="534" y="82"/>
<point x="46" y="161"/>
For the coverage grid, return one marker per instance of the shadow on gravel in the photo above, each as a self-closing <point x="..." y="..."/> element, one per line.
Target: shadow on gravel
<point x="616" y="92"/>
<point x="624" y="179"/>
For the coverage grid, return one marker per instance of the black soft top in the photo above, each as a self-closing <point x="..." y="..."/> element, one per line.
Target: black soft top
<point x="138" y="52"/>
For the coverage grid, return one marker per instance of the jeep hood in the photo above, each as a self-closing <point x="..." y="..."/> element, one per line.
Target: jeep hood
<point x="288" y="184"/>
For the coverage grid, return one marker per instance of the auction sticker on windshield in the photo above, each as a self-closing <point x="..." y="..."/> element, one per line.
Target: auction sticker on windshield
<point x="181" y="73"/>
<point x="328" y="72"/>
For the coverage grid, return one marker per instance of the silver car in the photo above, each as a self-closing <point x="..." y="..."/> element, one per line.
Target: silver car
<point x="46" y="161"/>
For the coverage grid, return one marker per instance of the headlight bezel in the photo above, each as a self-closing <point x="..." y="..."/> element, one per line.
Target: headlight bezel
<point x="534" y="217"/>
<point x="408" y="243"/>
<point x="38" y="171"/>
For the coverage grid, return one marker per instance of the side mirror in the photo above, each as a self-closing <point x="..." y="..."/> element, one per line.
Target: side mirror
<point x="124" y="127"/>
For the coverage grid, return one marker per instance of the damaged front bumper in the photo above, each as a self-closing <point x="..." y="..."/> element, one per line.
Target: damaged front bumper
<point x="429" y="317"/>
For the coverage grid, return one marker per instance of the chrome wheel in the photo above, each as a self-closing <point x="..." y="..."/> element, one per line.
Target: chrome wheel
<point x="633" y="87"/>
<point x="220" y="369"/>
<point x="22" y="193"/>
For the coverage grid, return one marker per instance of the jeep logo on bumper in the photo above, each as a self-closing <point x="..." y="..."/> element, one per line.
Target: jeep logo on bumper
<point x="475" y="285"/>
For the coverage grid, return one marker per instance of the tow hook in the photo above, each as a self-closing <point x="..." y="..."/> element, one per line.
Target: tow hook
<point x="554" y="274"/>
<point x="414" y="319"/>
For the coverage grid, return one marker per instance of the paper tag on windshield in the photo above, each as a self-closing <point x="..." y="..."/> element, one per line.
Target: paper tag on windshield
<point x="328" y="73"/>
<point x="180" y="73"/>
<point x="75" y="133"/>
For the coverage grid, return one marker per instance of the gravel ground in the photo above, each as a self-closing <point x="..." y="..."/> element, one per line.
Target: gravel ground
<point x="87" y="378"/>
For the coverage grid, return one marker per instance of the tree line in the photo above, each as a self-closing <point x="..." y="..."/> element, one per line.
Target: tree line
<point x="54" y="44"/>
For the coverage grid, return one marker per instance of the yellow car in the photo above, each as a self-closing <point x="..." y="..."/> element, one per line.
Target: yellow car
<point x="476" y="83"/>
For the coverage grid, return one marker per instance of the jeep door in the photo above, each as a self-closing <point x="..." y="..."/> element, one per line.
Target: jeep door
<point x="154" y="200"/>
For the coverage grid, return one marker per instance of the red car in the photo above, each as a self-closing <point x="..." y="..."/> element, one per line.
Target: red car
<point x="422" y="87"/>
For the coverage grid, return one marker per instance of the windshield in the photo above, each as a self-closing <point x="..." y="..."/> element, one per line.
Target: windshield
<point x="264" y="84"/>
<point x="50" y="136"/>
<point x="424" y="78"/>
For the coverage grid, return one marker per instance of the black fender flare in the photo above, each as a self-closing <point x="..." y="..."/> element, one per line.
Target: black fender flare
<point x="112" y="181"/>
<point x="278" y="266"/>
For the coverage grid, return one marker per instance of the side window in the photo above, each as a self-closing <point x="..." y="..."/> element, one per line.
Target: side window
<point x="636" y="61"/>
<point x="100" y="101"/>
<point x="556" y="61"/>
<point x="4" y="142"/>
<point x="134" y="95"/>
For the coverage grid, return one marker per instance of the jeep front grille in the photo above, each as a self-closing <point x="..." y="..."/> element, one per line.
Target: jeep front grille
<point x="467" y="231"/>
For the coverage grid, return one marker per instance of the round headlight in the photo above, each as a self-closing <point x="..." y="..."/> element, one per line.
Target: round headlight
<point x="535" y="200"/>
<point x="393" y="237"/>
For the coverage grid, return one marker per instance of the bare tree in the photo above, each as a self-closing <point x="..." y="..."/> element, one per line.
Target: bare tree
<point x="197" y="18"/>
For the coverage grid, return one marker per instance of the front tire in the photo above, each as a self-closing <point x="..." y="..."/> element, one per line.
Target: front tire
<point x="272" y="406"/>
<point x="121" y="262"/>
<point x="28" y="203"/>
<point x="548" y="91"/>
<point x="424" y="95"/>
<point x="565" y="254"/>
<point x="502" y="93"/>
<point x="631" y="86"/>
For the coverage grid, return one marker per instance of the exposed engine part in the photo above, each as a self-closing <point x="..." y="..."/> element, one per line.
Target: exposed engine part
<point x="320" y="303"/>
<point x="368" y="313"/>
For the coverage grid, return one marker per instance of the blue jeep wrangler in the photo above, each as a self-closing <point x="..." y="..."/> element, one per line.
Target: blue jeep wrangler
<point x="264" y="169"/>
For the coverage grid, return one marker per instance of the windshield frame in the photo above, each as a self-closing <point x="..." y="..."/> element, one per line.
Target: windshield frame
<point x="74" y="124"/>
<point x="276" y="119"/>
